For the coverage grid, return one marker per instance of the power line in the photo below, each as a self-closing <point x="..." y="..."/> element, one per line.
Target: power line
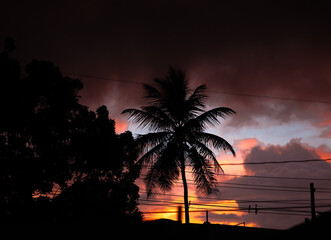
<point x="266" y="162"/>
<point x="299" y="210"/>
<point x="300" y="206"/>
<point x="279" y="211"/>
<point x="288" y="210"/>
<point x="274" y="177"/>
<point x="223" y="205"/>
<point x="265" y="187"/>
<point x="211" y="91"/>
<point x="284" y="213"/>
<point x="278" y="162"/>
<point x="241" y="200"/>
<point x="258" y="185"/>
<point x="268" y="189"/>
<point x="274" y="186"/>
<point x="192" y="203"/>
<point x="234" y="208"/>
<point x="265" y="212"/>
<point x="272" y="162"/>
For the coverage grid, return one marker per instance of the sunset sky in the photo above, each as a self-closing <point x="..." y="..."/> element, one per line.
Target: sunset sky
<point x="270" y="61"/>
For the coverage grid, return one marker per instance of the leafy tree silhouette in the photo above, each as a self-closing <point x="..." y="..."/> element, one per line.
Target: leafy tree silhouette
<point x="177" y="121"/>
<point x="47" y="139"/>
<point x="103" y="188"/>
<point x="13" y="137"/>
<point x="35" y="132"/>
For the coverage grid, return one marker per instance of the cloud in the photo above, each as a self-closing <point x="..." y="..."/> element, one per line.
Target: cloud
<point x="247" y="48"/>
<point x="242" y="147"/>
<point x="324" y="151"/>
<point x="243" y="189"/>
<point x="283" y="184"/>
<point x="326" y="133"/>
<point x="325" y="125"/>
<point x="294" y="150"/>
<point x="282" y="69"/>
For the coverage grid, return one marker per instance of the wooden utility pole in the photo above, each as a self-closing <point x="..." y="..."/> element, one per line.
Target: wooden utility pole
<point x="312" y="201"/>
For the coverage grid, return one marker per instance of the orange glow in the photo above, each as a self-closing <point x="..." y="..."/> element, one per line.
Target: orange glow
<point x="161" y="213"/>
<point x="247" y="143"/>
<point x="198" y="212"/>
<point x="216" y="207"/>
<point x="165" y="205"/>
<point x="323" y="153"/>
<point x="242" y="147"/>
<point x="327" y="120"/>
<point x="120" y="126"/>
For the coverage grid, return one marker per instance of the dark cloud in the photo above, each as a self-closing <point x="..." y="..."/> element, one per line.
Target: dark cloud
<point x="256" y="47"/>
<point x="291" y="69"/>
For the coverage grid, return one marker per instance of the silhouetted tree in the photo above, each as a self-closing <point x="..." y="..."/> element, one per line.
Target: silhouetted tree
<point x="55" y="102"/>
<point x="14" y="138"/>
<point x="47" y="139"/>
<point x="103" y="187"/>
<point x="35" y="131"/>
<point x="177" y="121"/>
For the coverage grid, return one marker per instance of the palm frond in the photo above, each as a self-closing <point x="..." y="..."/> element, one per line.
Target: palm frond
<point x="194" y="104"/>
<point x="147" y="141"/>
<point x="144" y="119"/>
<point x="197" y="99"/>
<point x="209" y="118"/>
<point x="165" y="170"/>
<point x="150" y="181"/>
<point x="163" y="178"/>
<point x="206" y="153"/>
<point x="151" y="154"/>
<point x="152" y="94"/>
<point x="202" y="173"/>
<point x="160" y="114"/>
<point x="174" y="91"/>
<point x="214" y="141"/>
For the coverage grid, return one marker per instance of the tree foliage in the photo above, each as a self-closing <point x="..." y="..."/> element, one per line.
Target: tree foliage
<point x="49" y="141"/>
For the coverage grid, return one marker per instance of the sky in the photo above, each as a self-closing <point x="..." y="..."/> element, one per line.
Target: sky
<point x="268" y="60"/>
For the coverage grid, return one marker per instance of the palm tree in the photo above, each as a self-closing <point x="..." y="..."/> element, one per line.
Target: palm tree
<point x="176" y="121"/>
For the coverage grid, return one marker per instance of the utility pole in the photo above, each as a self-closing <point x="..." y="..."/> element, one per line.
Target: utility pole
<point x="179" y="214"/>
<point x="312" y="201"/>
<point x="206" y="222"/>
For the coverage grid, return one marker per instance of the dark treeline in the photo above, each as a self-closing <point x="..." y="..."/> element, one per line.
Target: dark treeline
<point x="59" y="161"/>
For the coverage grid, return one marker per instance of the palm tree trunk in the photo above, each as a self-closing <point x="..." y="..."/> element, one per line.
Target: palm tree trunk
<point x="187" y="216"/>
